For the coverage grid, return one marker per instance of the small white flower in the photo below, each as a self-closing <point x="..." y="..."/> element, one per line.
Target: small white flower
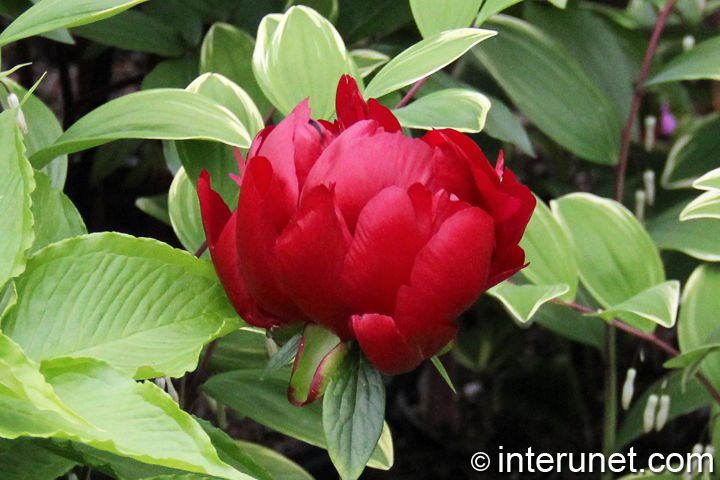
<point x="20" y="118"/>
<point x="649" y="182"/>
<point x="688" y="42"/>
<point x="663" y="412"/>
<point x="649" y="413"/>
<point x="628" y="389"/>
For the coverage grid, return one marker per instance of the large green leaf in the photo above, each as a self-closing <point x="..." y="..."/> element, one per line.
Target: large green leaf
<point x="266" y="402"/>
<point x="245" y="348"/>
<point x="503" y="124"/>
<point x="163" y="113"/>
<point x="552" y="89"/>
<point x="615" y="256"/>
<point x="700" y="62"/>
<point x="227" y="50"/>
<point x="25" y="459"/>
<point x="571" y="324"/>
<point x="280" y="467"/>
<point x="433" y="16"/>
<point x="424" y="58"/>
<point x="523" y="301"/>
<point x="548" y="251"/>
<point x="353" y="414"/>
<point x="16" y="185"/>
<point x="184" y="209"/>
<point x="43" y="129"/>
<point x="172" y="73"/>
<point x="697" y="325"/>
<point x="56" y="218"/>
<point x="699" y="238"/>
<point x="693" y="154"/>
<point x="460" y="109"/>
<point x="137" y="303"/>
<point x="288" y="52"/>
<point x="491" y="7"/>
<point x="367" y="61"/>
<point x="706" y="205"/>
<point x="658" y="304"/>
<point x="134" y="30"/>
<point x="49" y="15"/>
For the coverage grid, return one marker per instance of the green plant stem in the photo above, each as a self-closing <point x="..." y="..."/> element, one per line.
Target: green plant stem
<point x="621" y="166"/>
<point x="610" y="421"/>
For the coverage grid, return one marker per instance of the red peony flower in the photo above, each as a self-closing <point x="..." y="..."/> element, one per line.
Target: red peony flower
<point x="373" y="235"/>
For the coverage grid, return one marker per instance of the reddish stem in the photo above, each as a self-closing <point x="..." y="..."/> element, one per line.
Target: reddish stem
<point x="409" y="95"/>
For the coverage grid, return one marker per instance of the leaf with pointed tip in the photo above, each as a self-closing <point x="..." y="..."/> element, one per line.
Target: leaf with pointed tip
<point x="367" y="61"/>
<point x="522" y="301"/>
<point x="184" y="210"/>
<point x="424" y="58"/>
<point x="435" y="16"/>
<point x="443" y="373"/>
<point x="699" y="237"/>
<point x="709" y="181"/>
<point x="50" y="15"/>
<point x="491" y="7"/>
<point x="158" y="114"/>
<point x="319" y="354"/>
<point x="282" y="357"/>
<point x="658" y="304"/>
<point x="706" y="205"/>
<point x="700" y="62"/>
<point x="693" y="154"/>
<point x="138" y="304"/>
<point x="460" y="109"/>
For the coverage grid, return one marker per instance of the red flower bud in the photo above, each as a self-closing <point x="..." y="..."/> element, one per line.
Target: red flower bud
<point x="373" y="235"/>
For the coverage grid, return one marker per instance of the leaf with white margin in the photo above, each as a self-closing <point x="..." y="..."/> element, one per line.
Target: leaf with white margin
<point x="132" y="419"/>
<point x="425" y="58"/>
<point x="709" y="181"/>
<point x="706" y="205"/>
<point x="367" y="61"/>
<point x="658" y="304"/>
<point x="522" y="301"/>
<point x="435" y="16"/>
<point x="16" y="185"/>
<point x="615" y="256"/>
<point x="457" y="108"/>
<point x="184" y="209"/>
<point x="300" y="54"/>
<point x="139" y="304"/>
<point x="699" y="237"/>
<point x="547" y="250"/>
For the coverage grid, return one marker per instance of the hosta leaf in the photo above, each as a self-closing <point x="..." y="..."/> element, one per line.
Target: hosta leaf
<point x="424" y="58"/>
<point x="160" y="114"/>
<point x="522" y="301"/>
<point x="460" y="109"/>
<point x="138" y="304"/>
<point x="16" y="185"/>
<point x="35" y="463"/>
<point x="615" y="256"/>
<point x="49" y="15"/>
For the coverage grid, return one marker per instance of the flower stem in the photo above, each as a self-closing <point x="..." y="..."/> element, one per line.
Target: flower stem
<point x="410" y="94"/>
<point x="637" y="97"/>
<point x="201" y="250"/>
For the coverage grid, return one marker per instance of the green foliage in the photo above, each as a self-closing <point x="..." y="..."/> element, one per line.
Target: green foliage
<point x="523" y="301"/>
<point x="694" y="153"/>
<point x="463" y="110"/>
<point x="433" y="17"/>
<point x="184" y="211"/>
<point x="702" y="61"/>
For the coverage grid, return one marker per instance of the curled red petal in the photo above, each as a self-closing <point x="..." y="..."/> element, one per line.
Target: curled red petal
<point x="350" y="105"/>
<point x="383" y="116"/>
<point x="311" y="253"/>
<point x="384" y="345"/>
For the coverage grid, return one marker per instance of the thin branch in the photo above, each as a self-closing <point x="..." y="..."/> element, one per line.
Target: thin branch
<point x="201" y="250"/>
<point x="409" y="95"/>
<point x="621" y="166"/>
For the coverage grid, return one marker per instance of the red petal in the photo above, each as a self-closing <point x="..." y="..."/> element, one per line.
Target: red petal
<point x="364" y="160"/>
<point x="256" y="236"/>
<point x="384" y="345"/>
<point x="448" y="276"/>
<point x="382" y="254"/>
<point x="311" y="252"/>
<point x="511" y="262"/>
<point x="383" y="116"/>
<point x="220" y="231"/>
<point x="350" y="105"/>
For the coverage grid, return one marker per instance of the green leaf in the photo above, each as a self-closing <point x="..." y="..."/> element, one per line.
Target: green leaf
<point x="327" y="8"/>
<point x="700" y="62"/>
<point x="173" y="73"/>
<point x="684" y="400"/>
<point x="49" y="15"/>
<point x="547" y="250"/>
<point x="139" y="304"/>
<point x="266" y="402"/>
<point x="245" y="348"/>
<point x="233" y="453"/>
<point x="288" y="50"/>
<point x="693" y="154"/>
<point x="658" y="304"/>
<point x="571" y="324"/>
<point x="25" y="459"/>
<point x="43" y="130"/>
<point x="227" y="50"/>
<point x="282" y="357"/>
<point x="16" y="185"/>
<point x="56" y="218"/>
<point x="697" y="324"/>
<point x="8" y="297"/>
<point x="491" y="7"/>
<point x="699" y="238"/>
<point x="691" y="357"/>
<point x="552" y="89"/>
<point x="443" y="373"/>
<point x="424" y="58"/>
<point x="353" y="414"/>
<point x="184" y="209"/>
<point x="706" y="205"/>
<point x="615" y="256"/>
<point x="136" y="31"/>
<point x="433" y="16"/>
<point x="319" y="355"/>
<point x="279" y="466"/>
<point x="523" y="301"/>
<point x="367" y="61"/>
<point x="461" y="109"/>
<point x="159" y="114"/>
<point x="594" y="45"/>
<point x="709" y="181"/>
<point x="131" y="419"/>
<point x="155" y="206"/>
